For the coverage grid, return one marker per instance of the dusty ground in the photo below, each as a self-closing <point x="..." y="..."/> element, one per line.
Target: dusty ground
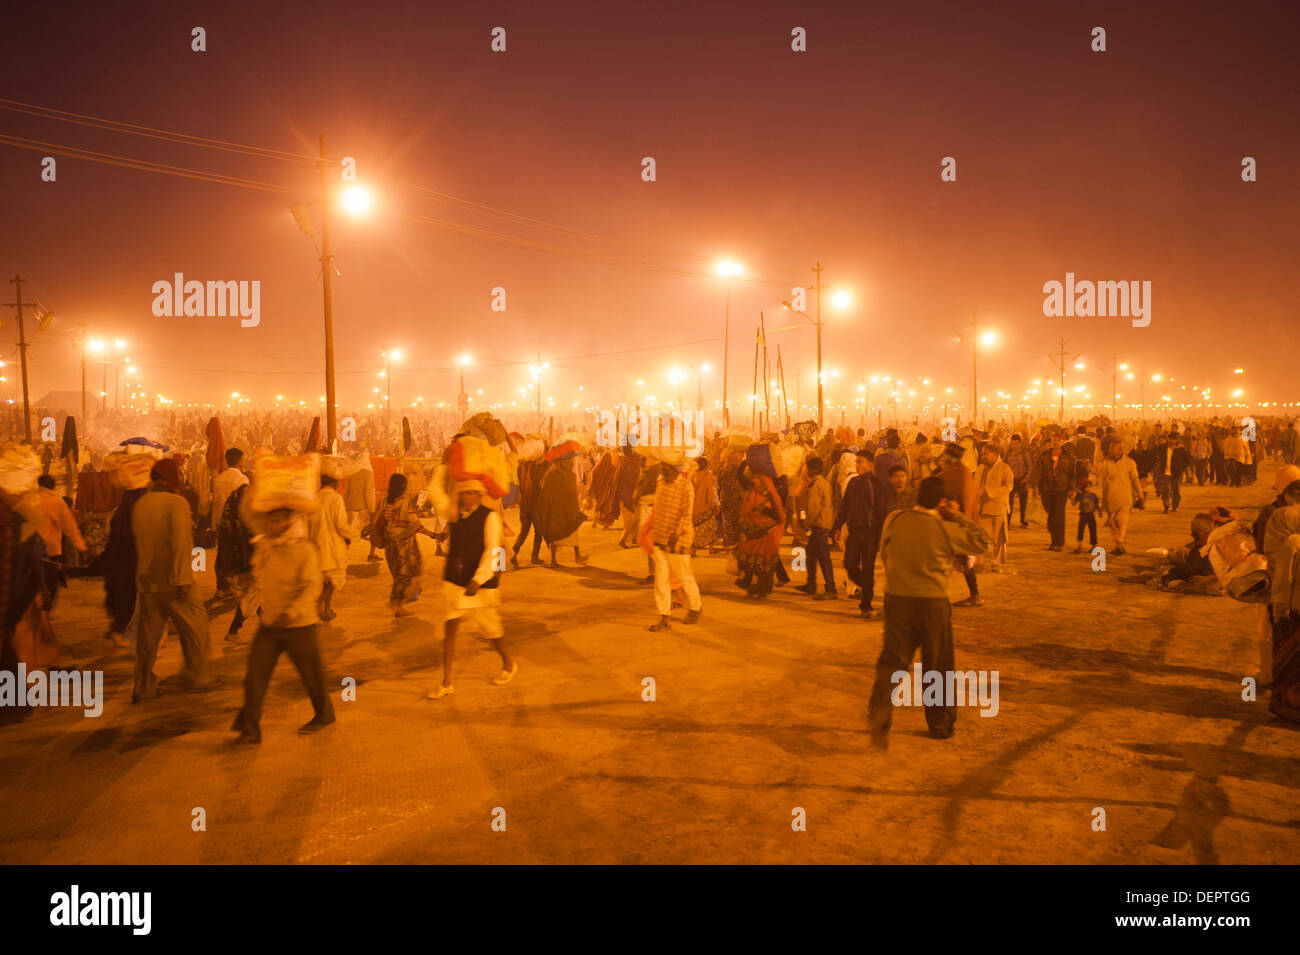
<point x="1112" y="696"/>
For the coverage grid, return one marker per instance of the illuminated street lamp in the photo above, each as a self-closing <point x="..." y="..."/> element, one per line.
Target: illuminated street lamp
<point x="988" y="338"/>
<point x="100" y="347"/>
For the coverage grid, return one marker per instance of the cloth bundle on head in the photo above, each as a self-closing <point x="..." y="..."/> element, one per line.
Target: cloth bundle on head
<point x="739" y="438"/>
<point x="128" y="471"/>
<point x="844" y="435"/>
<point x="565" y="449"/>
<point x="954" y="449"/>
<point x="486" y="428"/>
<point x="286" y="482"/>
<point x="473" y="459"/>
<point x="1285" y="477"/>
<point x="19" y="468"/>
<point x="330" y="467"/>
<point x="674" y="457"/>
<point x="530" y="447"/>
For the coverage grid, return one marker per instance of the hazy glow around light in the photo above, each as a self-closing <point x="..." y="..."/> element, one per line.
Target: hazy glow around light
<point x="728" y="269"/>
<point x="841" y="299"/>
<point x="356" y="200"/>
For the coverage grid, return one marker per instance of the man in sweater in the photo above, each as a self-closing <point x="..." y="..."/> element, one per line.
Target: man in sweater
<point x="820" y="517"/>
<point x="673" y="533"/>
<point x="1118" y="479"/>
<point x="918" y="547"/>
<point x="164" y="545"/>
<point x="286" y="566"/>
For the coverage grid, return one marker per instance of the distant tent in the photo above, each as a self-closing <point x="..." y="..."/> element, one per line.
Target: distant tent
<point x="59" y="402"/>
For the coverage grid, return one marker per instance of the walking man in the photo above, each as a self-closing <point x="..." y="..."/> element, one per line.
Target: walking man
<point x="286" y="566"/>
<point x="820" y="519"/>
<point x="673" y="533"/>
<point x="471" y="582"/>
<point x="918" y="547"/>
<point x="164" y="544"/>
<point x="861" y="512"/>
<point x="1120" y="488"/>
<point x="1055" y="475"/>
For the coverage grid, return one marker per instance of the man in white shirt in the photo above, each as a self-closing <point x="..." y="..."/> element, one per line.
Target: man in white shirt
<point x="471" y="577"/>
<point x="329" y="531"/>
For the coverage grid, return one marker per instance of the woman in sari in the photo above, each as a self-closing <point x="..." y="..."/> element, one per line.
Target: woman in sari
<point x="398" y="526"/>
<point x="762" y="522"/>
<point x="704" y="515"/>
<point x="730" y="494"/>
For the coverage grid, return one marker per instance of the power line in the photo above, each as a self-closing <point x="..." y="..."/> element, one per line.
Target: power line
<point x="264" y="152"/>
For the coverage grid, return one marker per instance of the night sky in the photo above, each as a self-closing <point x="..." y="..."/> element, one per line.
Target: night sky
<point x="1115" y="166"/>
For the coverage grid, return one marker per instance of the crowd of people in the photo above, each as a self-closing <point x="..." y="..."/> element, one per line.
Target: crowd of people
<point x="926" y="505"/>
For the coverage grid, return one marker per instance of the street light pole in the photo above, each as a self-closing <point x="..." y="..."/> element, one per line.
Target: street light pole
<point x="817" y="271"/>
<point x="327" y="268"/>
<point x="974" y="371"/>
<point x="726" y="354"/>
<point x="22" y="352"/>
<point x="83" y="376"/>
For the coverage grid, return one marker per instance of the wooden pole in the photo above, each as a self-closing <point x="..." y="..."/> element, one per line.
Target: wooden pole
<point x="780" y="376"/>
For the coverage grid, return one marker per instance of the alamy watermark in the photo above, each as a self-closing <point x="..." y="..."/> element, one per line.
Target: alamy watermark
<point x="1098" y="299"/>
<point x="209" y="300"/>
<point x="946" y="688"/>
<point x="635" y="427"/>
<point x="71" y="688"/>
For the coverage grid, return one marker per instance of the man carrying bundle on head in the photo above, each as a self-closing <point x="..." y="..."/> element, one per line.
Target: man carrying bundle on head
<point x="286" y="570"/>
<point x="471" y="581"/>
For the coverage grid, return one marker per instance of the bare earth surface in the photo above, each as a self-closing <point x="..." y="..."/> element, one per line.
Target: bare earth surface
<point x="1112" y="696"/>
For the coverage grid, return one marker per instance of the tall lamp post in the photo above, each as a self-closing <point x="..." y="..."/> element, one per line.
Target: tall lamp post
<point x="727" y="270"/>
<point x="462" y="399"/>
<point x="390" y="355"/>
<point x="840" y="300"/>
<point x="355" y="200"/>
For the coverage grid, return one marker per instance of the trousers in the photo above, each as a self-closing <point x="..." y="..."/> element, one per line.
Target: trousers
<point x="912" y="622"/>
<point x="860" y="562"/>
<point x="182" y="607"/>
<point x="668" y="566"/>
<point x="301" y="645"/>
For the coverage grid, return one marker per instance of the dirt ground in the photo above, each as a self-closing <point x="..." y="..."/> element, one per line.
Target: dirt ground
<point x="1111" y="695"/>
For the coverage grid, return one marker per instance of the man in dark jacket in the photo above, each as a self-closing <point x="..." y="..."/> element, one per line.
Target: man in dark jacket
<point x="861" y="511"/>
<point x="1170" y="464"/>
<point x="1054" y="473"/>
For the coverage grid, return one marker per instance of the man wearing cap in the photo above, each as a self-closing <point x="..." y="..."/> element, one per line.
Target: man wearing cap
<point x="471" y="579"/>
<point x="164" y="544"/>
<point x="328" y="528"/>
